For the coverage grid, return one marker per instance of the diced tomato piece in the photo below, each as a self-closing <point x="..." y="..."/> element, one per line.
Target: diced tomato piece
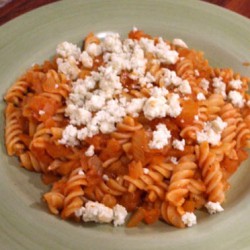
<point x="135" y="169"/>
<point x="57" y="151"/>
<point x="152" y="215"/>
<point x="112" y="149"/>
<point x="138" y="34"/>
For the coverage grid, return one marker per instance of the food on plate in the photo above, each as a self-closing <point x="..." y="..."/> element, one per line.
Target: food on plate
<point x="139" y="125"/>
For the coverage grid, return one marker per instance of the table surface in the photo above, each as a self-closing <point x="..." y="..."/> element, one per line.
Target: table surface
<point x="10" y="9"/>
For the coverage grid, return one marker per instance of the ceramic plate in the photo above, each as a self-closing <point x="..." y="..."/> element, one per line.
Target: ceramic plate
<point x="24" y="219"/>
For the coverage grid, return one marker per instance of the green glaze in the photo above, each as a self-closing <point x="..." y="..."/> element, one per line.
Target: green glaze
<point x="24" y="219"/>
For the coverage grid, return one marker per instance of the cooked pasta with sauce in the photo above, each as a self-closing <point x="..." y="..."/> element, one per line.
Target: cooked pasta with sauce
<point x="140" y="125"/>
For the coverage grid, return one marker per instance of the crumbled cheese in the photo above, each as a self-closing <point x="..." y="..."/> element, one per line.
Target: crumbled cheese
<point x="160" y="138"/>
<point x="180" y="43"/>
<point x="185" y="88"/>
<point x="219" y="86"/>
<point x="86" y="60"/>
<point x="112" y="43"/>
<point x="56" y="86"/>
<point x="97" y="212"/>
<point x="235" y="84"/>
<point x="148" y="78"/>
<point x="145" y="170"/>
<point x="211" y="132"/>
<point x="155" y="107"/>
<point x="179" y="144"/>
<point x="204" y="83"/>
<point x="81" y="172"/>
<point x="134" y="107"/>
<point x="41" y="112"/>
<point x="90" y="151"/>
<point x="94" y="49"/>
<point x="236" y="99"/>
<point x="196" y="72"/>
<point x="196" y="117"/>
<point x="69" y="136"/>
<point x="218" y="125"/>
<point x="135" y="29"/>
<point x="174" y="108"/>
<point x="157" y="92"/>
<point x="200" y="97"/>
<point x="174" y="160"/>
<point x="169" y="77"/>
<point x="105" y="177"/>
<point x="214" y="207"/>
<point x="68" y="68"/>
<point x="68" y="50"/>
<point x="189" y="219"/>
<point x="164" y="53"/>
<point x="120" y="214"/>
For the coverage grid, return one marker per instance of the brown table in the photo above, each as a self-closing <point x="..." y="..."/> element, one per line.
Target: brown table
<point x="14" y="8"/>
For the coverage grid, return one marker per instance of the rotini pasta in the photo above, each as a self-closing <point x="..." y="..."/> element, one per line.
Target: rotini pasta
<point x="141" y="125"/>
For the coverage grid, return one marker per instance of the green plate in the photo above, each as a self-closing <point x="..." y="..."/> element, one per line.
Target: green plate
<point x="24" y="220"/>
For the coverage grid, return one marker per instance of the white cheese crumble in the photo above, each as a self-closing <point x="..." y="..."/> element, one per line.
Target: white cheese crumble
<point x="99" y="213"/>
<point x="105" y="177"/>
<point x="179" y="144"/>
<point x="69" y="136"/>
<point x="214" y="207"/>
<point x="68" y="50"/>
<point x="160" y="138"/>
<point x="236" y="99"/>
<point x="90" y="151"/>
<point x="179" y="42"/>
<point x="211" y="131"/>
<point x="120" y="214"/>
<point x="145" y="170"/>
<point x="200" y="97"/>
<point x="235" y="84"/>
<point x="219" y="86"/>
<point x="41" y="112"/>
<point x="174" y="160"/>
<point x="196" y="72"/>
<point x="94" y="49"/>
<point x="196" y="117"/>
<point x="86" y="60"/>
<point x="204" y="83"/>
<point x="81" y="172"/>
<point x="185" y="88"/>
<point x="189" y="219"/>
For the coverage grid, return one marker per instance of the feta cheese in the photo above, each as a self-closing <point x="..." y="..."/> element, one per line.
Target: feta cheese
<point x="174" y="109"/>
<point x="68" y="50"/>
<point x="160" y="138"/>
<point x="86" y="60"/>
<point x="200" y="97"/>
<point x="211" y="132"/>
<point x="120" y="214"/>
<point x="68" y="68"/>
<point x="134" y="107"/>
<point x="41" y="112"/>
<point x="90" y="151"/>
<point x="185" y="88"/>
<point x="214" y="207"/>
<point x="218" y="125"/>
<point x="94" y="49"/>
<point x="81" y="172"/>
<point x="189" y="219"/>
<point x="196" y="117"/>
<point x="145" y="170"/>
<point x="179" y="144"/>
<point x="155" y="107"/>
<point x="235" y="84"/>
<point x="204" y="83"/>
<point x="219" y="86"/>
<point x="174" y="160"/>
<point x="196" y="72"/>
<point x="69" y="136"/>
<point x="105" y="177"/>
<point x="236" y="99"/>
<point x="97" y="212"/>
<point x="180" y="43"/>
<point x="112" y="43"/>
